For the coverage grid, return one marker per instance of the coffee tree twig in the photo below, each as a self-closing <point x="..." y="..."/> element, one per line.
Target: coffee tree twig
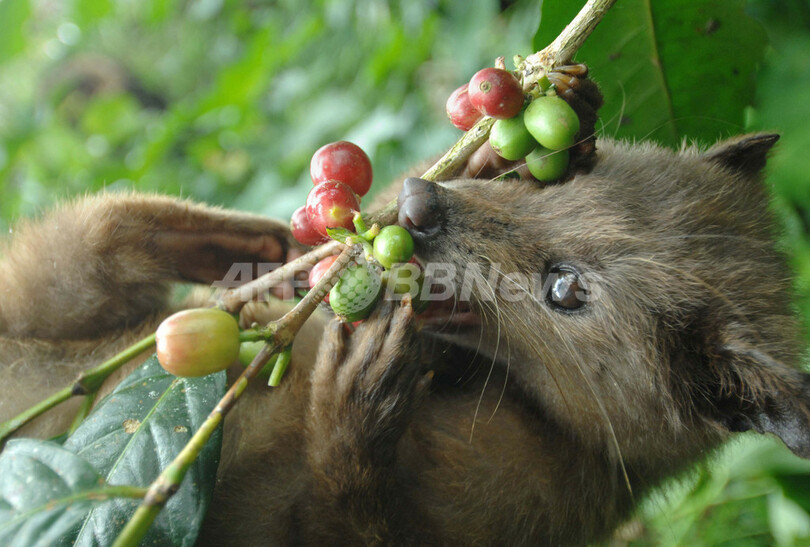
<point x="280" y="334"/>
<point x="169" y="480"/>
<point x="87" y="383"/>
<point x="531" y="69"/>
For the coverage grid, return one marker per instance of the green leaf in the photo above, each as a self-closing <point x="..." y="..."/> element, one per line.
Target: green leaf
<point x="341" y="234"/>
<point x="113" y="116"/>
<point x="133" y="434"/>
<point x="668" y="69"/>
<point x="796" y="487"/>
<point x="89" y="11"/>
<point x="40" y="488"/>
<point x="14" y="15"/>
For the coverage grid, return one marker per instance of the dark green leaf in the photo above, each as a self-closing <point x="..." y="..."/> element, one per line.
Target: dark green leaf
<point x="39" y="481"/>
<point x="133" y="434"/>
<point x="668" y="69"/>
<point x="797" y="488"/>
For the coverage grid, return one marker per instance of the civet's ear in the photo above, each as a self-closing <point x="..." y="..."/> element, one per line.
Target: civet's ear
<point x="752" y="391"/>
<point x="745" y="154"/>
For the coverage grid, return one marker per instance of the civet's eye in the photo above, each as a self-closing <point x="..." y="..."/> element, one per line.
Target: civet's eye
<point x="567" y="292"/>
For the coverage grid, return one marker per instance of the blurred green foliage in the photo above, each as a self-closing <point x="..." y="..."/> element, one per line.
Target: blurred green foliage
<point x="226" y="100"/>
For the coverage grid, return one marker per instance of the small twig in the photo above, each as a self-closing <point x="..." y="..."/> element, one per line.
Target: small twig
<point x="10" y="426"/>
<point x="284" y="331"/>
<point x="81" y="414"/>
<point x="562" y="49"/>
<point x="235" y="299"/>
<point x="88" y="382"/>
<point x="454" y="159"/>
<point x="259" y="334"/>
<point x="534" y="67"/>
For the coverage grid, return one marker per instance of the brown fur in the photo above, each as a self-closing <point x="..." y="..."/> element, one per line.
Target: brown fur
<point x="690" y="337"/>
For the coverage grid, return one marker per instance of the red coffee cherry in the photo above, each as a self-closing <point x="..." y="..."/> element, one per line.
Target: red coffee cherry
<point x="317" y="271"/>
<point x="460" y="110"/>
<point x="496" y="93"/>
<point x="331" y="204"/>
<point x="302" y="229"/>
<point x="342" y="161"/>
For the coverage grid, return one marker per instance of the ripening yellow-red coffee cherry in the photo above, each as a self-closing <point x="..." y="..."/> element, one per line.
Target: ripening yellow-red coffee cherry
<point x="197" y="342"/>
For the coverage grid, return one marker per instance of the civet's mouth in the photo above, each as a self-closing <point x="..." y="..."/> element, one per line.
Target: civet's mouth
<point x="421" y="213"/>
<point x="446" y="312"/>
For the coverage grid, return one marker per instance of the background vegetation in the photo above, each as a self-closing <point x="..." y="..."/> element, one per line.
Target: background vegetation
<point x="226" y="100"/>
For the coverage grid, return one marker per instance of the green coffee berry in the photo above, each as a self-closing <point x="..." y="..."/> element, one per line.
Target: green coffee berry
<point x="393" y="245"/>
<point x="552" y="122"/>
<point x="510" y="139"/>
<point x="546" y="165"/>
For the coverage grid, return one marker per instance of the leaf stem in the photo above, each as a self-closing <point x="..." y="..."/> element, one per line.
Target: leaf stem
<point x="84" y="410"/>
<point x="88" y="382"/>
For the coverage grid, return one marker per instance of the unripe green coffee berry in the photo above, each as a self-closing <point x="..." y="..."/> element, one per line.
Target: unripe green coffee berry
<point x="407" y="279"/>
<point x="393" y="245"/>
<point x="248" y="352"/>
<point x="197" y="342"/>
<point x="356" y="293"/>
<point x="552" y="122"/>
<point x="510" y="139"/>
<point x="546" y="165"/>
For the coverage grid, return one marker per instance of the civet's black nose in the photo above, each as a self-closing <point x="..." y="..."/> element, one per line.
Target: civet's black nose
<point x="419" y="209"/>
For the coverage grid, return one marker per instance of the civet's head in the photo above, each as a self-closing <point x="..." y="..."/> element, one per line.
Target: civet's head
<point x="642" y="305"/>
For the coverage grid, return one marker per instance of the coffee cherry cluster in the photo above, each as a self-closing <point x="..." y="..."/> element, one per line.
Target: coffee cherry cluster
<point x="362" y="283"/>
<point x="492" y="92"/>
<point x="542" y="132"/>
<point x="202" y="341"/>
<point x="342" y="174"/>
